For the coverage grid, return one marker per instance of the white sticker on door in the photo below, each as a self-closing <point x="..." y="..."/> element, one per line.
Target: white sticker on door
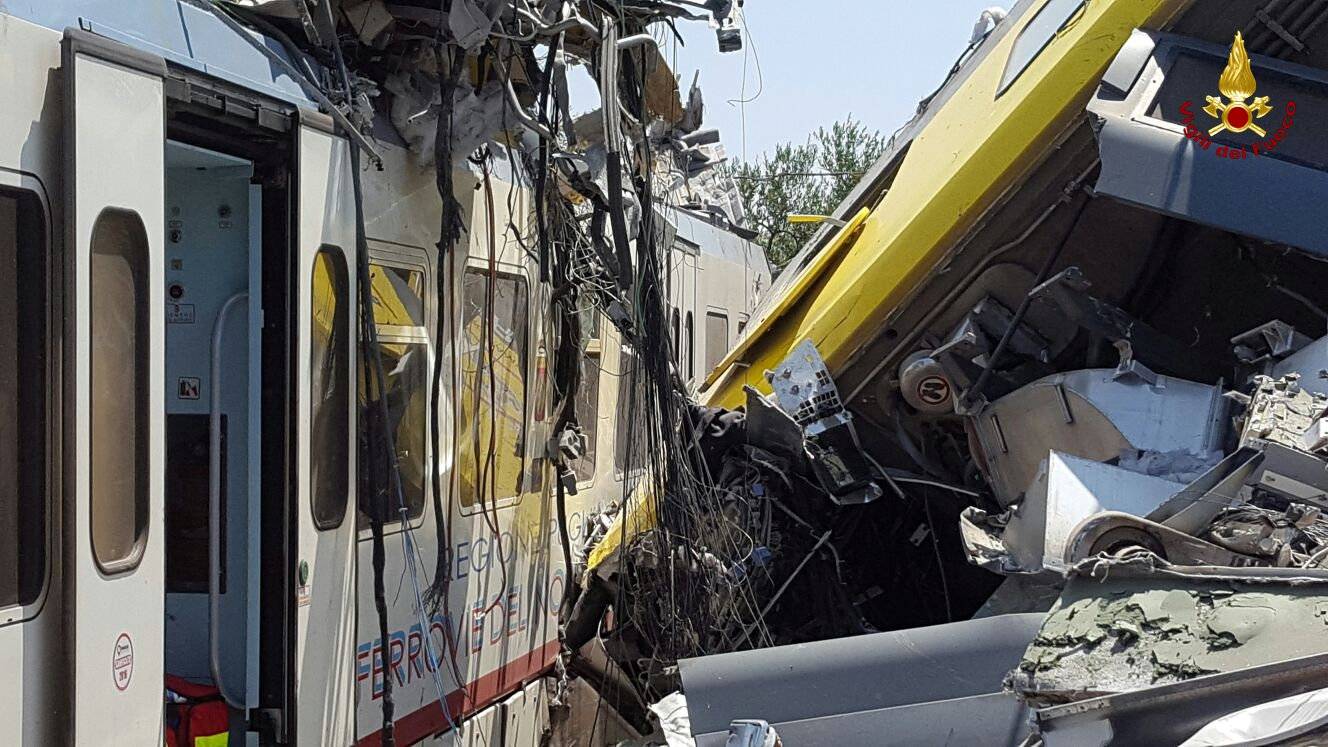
<point x="122" y="662"/>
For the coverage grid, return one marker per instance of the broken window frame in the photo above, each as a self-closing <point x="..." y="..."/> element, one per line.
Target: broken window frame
<point x="1020" y="57"/>
<point x="588" y="418"/>
<point x="469" y="503"/>
<point x="418" y="337"/>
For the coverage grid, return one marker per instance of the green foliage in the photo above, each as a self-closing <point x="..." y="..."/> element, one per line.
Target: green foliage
<point x="811" y="178"/>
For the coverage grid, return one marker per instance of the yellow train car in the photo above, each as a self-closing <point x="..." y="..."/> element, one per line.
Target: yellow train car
<point x="1075" y="299"/>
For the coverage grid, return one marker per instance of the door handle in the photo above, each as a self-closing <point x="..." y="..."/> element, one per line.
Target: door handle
<point x="214" y="503"/>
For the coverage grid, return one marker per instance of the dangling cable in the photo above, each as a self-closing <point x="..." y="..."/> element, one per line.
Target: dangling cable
<point x="380" y="424"/>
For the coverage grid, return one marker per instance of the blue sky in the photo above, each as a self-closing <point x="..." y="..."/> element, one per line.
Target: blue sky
<point x="821" y="60"/>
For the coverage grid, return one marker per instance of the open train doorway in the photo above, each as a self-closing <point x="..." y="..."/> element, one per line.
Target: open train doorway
<point x="213" y="381"/>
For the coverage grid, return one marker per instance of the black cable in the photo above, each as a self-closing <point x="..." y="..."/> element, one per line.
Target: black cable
<point x="976" y="391"/>
<point x="541" y="173"/>
<point x="379" y="423"/>
<point x="449" y="76"/>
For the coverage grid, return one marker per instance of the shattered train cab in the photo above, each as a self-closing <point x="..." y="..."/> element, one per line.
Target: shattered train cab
<point x="1031" y="444"/>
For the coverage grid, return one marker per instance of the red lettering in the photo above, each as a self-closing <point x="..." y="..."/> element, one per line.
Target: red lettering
<point x="377" y="671"/>
<point x="397" y="650"/>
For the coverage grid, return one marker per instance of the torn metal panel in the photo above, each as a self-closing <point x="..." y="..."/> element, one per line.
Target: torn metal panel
<point x="1281" y="411"/>
<point x="1206" y="496"/>
<point x="1268" y="343"/>
<point x="471" y="21"/>
<point x="804" y="388"/>
<point x="1170" y="714"/>
<point x="1095" y="414"/>
<point x="1310" y="363"/>
<point x="1067" y="490"/>
<point x="671" y="714"/>
<point x="1131" y="628"/>
<point x="852" y="675"/>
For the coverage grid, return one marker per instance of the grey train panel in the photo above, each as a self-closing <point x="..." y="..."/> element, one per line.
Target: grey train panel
<point x="852" y="675"/>
<point x="1147" y="160"/>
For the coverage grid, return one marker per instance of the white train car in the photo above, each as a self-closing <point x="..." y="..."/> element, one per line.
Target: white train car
<point x="181" y="386"/>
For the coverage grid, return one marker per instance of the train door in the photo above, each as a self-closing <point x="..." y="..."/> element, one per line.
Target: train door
<point x="115" y="141"/>
<point x="325" y="376"/>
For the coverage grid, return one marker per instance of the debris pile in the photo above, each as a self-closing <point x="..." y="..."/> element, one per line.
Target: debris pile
<point x="1169" y="529"/>
<point x="477" y="91"/>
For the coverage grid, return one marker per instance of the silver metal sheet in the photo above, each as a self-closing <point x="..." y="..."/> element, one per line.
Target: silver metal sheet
<point x="993" y="720"/>
<point x="1095" y="414"/>
<point x="852" y="675"/>
<point x="1310" y="362"/>
<point x="1068" y="490"/>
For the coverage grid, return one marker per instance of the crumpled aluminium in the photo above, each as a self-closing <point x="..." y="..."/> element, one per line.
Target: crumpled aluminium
<point x="471" y="21"/>
<point x="478" y="114"/>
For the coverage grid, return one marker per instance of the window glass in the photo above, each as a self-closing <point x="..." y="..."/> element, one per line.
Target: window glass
<point x="630" y="437"/>
<point x="587" y="413"/>
<point x="494" y="352"/>
<point x="119" y="378"/>
<point x="398" y="298"/>
<point x="23" y="383"/>
<point x="1051" y="18"/>
<point x="677" y="338"/>
<point x="716" y="339"/>
<point x="587" y="397"/>
<point x="691" y="348"/>
<point x="329" y="389"/>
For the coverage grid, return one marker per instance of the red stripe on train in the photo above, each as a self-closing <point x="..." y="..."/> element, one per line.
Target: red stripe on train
<point x="476" y="696"/>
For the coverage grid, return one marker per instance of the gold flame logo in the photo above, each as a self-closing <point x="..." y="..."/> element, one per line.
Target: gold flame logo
<point x="1237" y="84"/>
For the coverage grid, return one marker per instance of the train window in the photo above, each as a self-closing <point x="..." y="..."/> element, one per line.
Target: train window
<point x="691" y="347"/>
<point x="23" y="386"/>
<point x="630" y="436"/>
<point x="495" y="348"/>
<point x="677" y="338"/>
<point x="587" y="414"/>
<point x="1051" y="19"/>
<point x="329" y="389"/>
<point x="119" y="337"/>
<point x="716" y="338"/>
<point x="398" y="302"/>
<point x="587" y="397"/>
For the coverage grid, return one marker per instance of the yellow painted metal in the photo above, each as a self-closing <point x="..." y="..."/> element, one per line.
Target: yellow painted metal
<point x="796" y="218"/>
<point x="815" y="269"/>
<point x="639" y="516"/>
<point x="976" y="147"/>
